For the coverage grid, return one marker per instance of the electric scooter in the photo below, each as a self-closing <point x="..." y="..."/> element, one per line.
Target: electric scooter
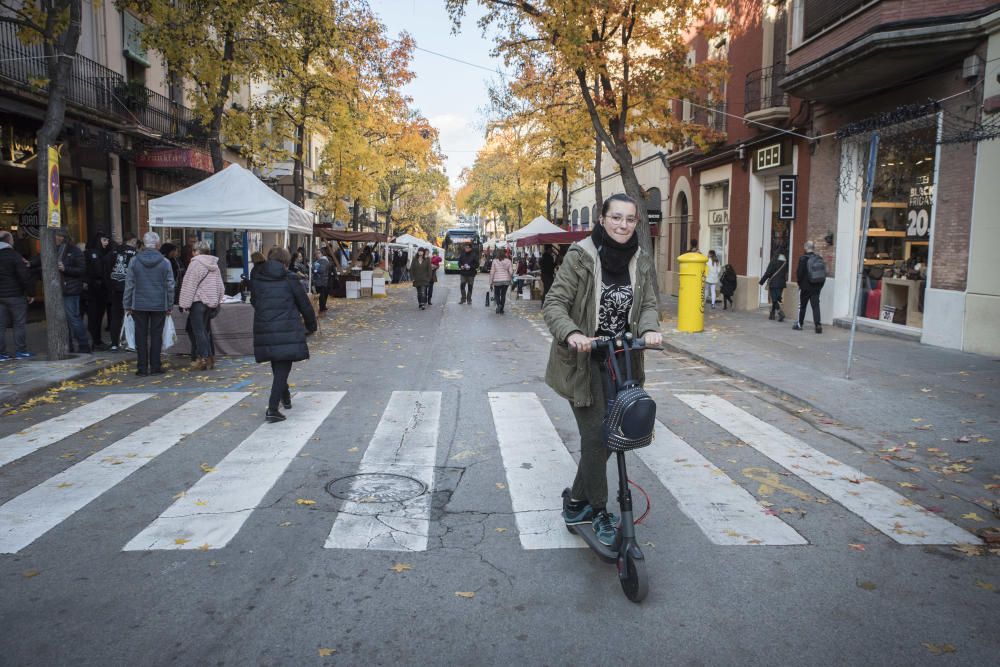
<point x="629" y="424"/>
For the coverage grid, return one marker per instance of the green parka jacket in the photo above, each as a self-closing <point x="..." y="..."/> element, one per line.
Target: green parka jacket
<point x="571" y="305"/>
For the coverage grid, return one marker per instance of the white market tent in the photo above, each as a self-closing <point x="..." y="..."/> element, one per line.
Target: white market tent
<point x="410" y="240"/>
<point x="537" y="226"/>
<point x="231" y="199"/>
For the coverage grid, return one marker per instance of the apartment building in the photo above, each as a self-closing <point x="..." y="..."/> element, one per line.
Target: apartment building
<point x="128" y="135"/>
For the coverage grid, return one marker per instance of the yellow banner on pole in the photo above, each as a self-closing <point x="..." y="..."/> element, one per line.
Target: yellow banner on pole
<point x="55" y="217"/>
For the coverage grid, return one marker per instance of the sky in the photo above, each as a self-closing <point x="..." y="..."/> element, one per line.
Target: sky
<point x="448" y="93"/>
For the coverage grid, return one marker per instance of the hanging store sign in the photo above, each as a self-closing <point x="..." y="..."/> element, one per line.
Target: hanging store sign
<point x="27" y="220"/>
<point x="654" y="216"/>
<point x="175" y="158"/>
<point x="769" y="157"/>
<point x="918" y="210"/>
<point x="17" y="145"/>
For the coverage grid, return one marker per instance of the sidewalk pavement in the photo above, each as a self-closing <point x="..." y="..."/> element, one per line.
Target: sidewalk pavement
<point x="22" y="379"/>
<point x="939" y="405"/>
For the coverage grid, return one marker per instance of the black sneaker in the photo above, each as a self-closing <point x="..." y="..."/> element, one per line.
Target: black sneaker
<point x="797" y="327"/>
<point x="273" y="416"/>
<point x="819" y="328"/>
<point x="286" y="402"/>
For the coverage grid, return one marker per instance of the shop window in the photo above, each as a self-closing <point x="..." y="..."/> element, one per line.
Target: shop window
<point x="585" y="217"/>
<point x="576" y="217"/>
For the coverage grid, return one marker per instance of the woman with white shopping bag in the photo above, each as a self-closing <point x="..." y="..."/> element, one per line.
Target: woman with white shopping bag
<point x="201" y="293"/>
<point x="149" y="298"/>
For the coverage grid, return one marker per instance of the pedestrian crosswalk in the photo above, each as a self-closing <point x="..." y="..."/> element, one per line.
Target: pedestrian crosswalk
<point x="536" y="464"/>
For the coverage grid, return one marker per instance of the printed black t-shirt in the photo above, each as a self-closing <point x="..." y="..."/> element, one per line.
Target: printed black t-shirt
<point x="616" y="303"/>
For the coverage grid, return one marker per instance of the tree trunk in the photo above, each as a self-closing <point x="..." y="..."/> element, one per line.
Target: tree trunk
<point x="356" y="216"/>
<point x="548" y="199"/>
<point x="564" y="179"/>
<point x="59" y="71"/>
<point x="298" y="168"/>
<point x="598" y="159"/>
<point x="219" y="106"/>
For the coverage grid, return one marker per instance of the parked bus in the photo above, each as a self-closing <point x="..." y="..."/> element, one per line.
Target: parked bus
<point x="454" y="244"/>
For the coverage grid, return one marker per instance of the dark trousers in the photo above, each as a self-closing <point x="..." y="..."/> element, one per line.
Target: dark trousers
<point x="466" y="287"/>
<point x="591" y="483"/>
<point x="775" y="293"/>
<point x="116" y="315"/>
<point x="74" y="318"/>
<point x="14" y="312"/>
<point x="149" y="338"/>
<point x="811" y="297"/>
<point x="324" y="293"/>
<point x="199" y="328"/>
<point x="97" y="304"/>
<point x="546" y="284"/>
<point x="500" y="296"/>
<point x="430" y="292"/>
<point x="279" y="383"/>
<point x="421" y="295"/>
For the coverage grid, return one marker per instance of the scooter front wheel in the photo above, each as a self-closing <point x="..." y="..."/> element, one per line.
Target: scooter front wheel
<point x="632" y="574"/>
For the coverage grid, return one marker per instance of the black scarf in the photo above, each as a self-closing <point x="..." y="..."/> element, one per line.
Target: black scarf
<point x="614" y="256"/>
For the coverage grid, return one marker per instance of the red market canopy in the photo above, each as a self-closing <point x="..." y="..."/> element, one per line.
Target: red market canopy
<point x="348" y="237"/>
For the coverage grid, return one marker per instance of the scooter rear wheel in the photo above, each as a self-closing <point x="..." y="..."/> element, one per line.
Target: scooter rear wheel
<point x="635" y="583"/>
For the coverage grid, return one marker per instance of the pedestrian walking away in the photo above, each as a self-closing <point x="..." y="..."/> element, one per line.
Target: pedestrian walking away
<point x="713" y="271"/>
<point x="728" y="285"/>
<point x="605" y="288"/>
<point x="116" y="265"/>
<point x="501" y="273"/>
<point x="282" y="318"/>
<point x="776" y="278"/>
<point x="421" y="274"/>
<point x="169" y="250"/>
<point x="810" y="275"/>
<point x="149" y="298"/>
<point x="201" y="295"/>
<point x="435" y="265"/>
<point x="97" y="290"/>
<point x="72" y="269"/>
<point x="321" y="277"/>
<point x="548" y="271"/>
<point x="15" y="281"/>
<point x="468" y="264"/>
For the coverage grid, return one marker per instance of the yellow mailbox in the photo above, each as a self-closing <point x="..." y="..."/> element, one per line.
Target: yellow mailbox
<point x="691" y="293"/>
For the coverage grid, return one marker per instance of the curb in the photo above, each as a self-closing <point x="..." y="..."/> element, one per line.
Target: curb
<point x="732" y="372"/>
<point x="30" y="390"/>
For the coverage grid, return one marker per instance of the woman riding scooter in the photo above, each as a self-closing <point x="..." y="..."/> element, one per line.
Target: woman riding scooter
<point x="605" y="288"/>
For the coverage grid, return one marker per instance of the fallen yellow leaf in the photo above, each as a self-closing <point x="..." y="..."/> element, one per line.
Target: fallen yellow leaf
<point x="28" y="574"/>
<point x="986" y="586"/>
<point x="181" y="540"/>
<point x="500" y="530"/>
<point x="968" y="549"/>
<point x="207" y="468"/>
<point x="401" y="567"/>
<point x="205" y="547"/>
<point x="465" y="594"/>
<point x="303" y="501"/>
<point x="64" y="485"/>
<point x="326" y="652"/>
<point x="201" y="503"/>
<point x="867" y="585"/>
<point x="857" y="547"/>
<point x="501" y="486"/>
<point x="938" y="649"/>
<point x="972" y="516"/>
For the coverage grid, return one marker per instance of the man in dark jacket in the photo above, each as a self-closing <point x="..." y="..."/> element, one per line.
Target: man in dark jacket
<point x="97" y="294"/>
<point x="116" y="265"/>
<point x="810" y="285"/>
<point x="149" y="297"/>
<point x="14" y="299"/>
<point x="548" y="269"/>
<point x="468" y="264"/>
<point x="776" y="277"/>
<point x="280" y="305"/>
<point x="72" y="269"/>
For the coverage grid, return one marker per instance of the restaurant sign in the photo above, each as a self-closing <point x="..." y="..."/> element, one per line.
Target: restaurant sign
<point x="175" y="158"/>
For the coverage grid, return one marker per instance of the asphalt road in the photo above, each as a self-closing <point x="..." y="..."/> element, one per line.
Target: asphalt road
<point x="209" y="538"/>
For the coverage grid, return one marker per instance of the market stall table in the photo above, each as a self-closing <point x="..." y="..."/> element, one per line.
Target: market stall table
<point x="232" y="330"/>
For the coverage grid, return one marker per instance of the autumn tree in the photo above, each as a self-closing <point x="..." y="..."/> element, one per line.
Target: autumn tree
<point x="636" y="52"/>
<point x="55" y="24"/>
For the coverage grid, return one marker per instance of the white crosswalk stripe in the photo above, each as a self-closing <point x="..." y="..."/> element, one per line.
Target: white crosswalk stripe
<point x="53" y="430"/>
<point x="725" y="512"/>
<point x="405" y="443"/>
<point x="212" y="511"/>
<point x="37" y="511"/>
<point x="535" y="461"/>
<point x="884" y="509"/>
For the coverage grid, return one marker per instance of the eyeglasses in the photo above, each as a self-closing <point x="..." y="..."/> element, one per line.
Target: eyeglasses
<point x="617" y="218"/>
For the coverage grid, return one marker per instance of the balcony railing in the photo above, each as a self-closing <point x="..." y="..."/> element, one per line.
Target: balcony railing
<point x="762" y="90"/>
<point x="94" y="87"/>
<point x="710" y="114"/>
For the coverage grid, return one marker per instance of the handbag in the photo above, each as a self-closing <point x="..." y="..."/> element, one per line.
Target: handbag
<point x="487" y="298"/>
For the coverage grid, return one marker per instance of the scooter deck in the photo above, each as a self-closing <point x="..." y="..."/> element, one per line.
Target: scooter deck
<point x="605" y="553"/>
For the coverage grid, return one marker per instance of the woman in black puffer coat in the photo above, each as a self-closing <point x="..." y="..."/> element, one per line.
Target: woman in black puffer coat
<point x="280" y="305"/>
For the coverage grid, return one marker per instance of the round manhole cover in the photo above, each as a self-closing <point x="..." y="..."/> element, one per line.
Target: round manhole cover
<point x="376" y="487"/>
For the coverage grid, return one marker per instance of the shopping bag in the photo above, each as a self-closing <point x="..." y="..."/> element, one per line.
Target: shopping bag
<point x="128" y="333"/>
<point x="487" y="298"/>
<point x="169" y="333"/>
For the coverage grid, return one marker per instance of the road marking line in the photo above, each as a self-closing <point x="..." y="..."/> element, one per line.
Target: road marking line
<point x="32" y="514"/>
<point x="405" y="443"/>
<point x="881" y="507"/>
<point x="53" y="430"/>
<point x="535" y="462"/>
<point x="726" y="512"/>
<point x="212" y="511"/>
